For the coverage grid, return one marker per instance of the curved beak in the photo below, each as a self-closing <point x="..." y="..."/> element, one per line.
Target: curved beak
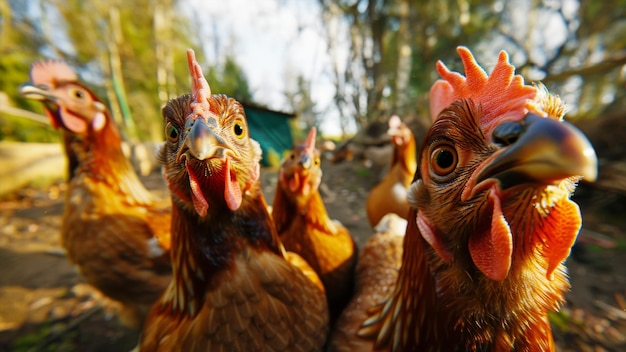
<point x="306" y="160"/>
<point x="31" y="91"/>
<point x="203" y="143"/>
<point x="540" y="150"/>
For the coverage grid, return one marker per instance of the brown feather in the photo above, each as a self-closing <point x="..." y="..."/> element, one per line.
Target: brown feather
<point x="232" y="287"/>
<point x="390" y="194"/>
<point x="305" y="228"/>
<point x="488" y="178"/>
<point x="113" y="229"/>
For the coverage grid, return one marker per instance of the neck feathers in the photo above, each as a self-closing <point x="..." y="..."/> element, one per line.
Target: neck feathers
<point x="405" y="157"/>
<point x="442" y="308"/>
<point x="204" y="248"/>
<point x="312" y="211"/>
<point x="99" y="156"/>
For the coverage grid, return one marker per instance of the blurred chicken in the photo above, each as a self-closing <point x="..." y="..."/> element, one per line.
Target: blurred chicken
<point x="371" y="145"/>
<point x="113" y="229"/>
<point x="390" y="194"/>
<point x="375" y="276"/>
<point x="232" y="287"/>
<point x="305" y="228"/>
<point x="490" y="224"/>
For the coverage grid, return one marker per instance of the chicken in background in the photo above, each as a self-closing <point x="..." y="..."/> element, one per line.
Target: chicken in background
<point x="390" y="194"/>
<point x="232" y="287"/>
<point x="371" y="145"/>
<point x="305" y="228"/>
<point x="113" y="229"/>
<point x="375" y="276"/>
<point x="490" y="224"/>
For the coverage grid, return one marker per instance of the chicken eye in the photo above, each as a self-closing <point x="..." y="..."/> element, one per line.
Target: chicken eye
<point x="171" y="132"/>
<point x="443" y="160"/>
<point x="77" y="93"/>
<point x="316" y="161"/>
<point x="238" y="129"/>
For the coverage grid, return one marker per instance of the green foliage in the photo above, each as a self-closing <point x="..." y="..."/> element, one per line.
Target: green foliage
<point x="36" y="341"/>
<point x="383" y="32"/>
<point x="229" y="79"/>
<point x="133" y="62"/>
<point x="18" y="129"/>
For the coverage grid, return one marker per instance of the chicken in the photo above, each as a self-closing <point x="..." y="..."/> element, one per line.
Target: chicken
<point x="304" y="227"/>
<point x="390" y="194"/>
<point x="232" y="287"/>
<point x="375" y="275"/>
<point x="113" y="229"/>
<point x="490" y="224"/>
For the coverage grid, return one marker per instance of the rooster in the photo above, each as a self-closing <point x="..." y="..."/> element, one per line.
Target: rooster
<point x="390" y="194"/>
<point x="113" y="229"/>
<point x="490" y="224"/>
<point x="232" y="287"/>
<point x="304" y="227"/>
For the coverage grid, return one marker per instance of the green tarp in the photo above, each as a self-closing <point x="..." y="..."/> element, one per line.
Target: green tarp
<point x="271" y="129"/>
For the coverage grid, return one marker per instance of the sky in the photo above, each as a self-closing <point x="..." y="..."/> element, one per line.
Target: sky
<point x="273" y="41"/>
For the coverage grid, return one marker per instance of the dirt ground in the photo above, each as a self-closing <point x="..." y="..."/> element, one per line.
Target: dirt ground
<point x="45" y="306"/>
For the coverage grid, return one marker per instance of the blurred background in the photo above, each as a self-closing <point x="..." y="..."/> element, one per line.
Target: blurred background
<point x="337" y="64"/>
<point x="343" y="66"/>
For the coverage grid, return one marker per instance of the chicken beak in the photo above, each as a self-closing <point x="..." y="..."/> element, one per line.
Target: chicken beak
<point x="540" y="150"/>
<point x="203" y="142"/>
<point x="41" y="93"/>
<point x="306" y="161"/>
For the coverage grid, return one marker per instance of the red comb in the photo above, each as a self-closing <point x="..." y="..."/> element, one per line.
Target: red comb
<point x="310" y="139"/>
<point x="50" y="71"/>
<point x="199" y="86"/>
<point x="502" y="94"/>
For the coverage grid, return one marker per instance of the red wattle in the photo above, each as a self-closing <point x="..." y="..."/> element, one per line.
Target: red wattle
<point x="232" y="191"/>
<point x="199" y="201"/>
<point x="72" y="122"/>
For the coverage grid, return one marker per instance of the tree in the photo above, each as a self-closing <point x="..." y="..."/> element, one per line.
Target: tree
<point x="299" y="99"/>
<point x="229" y="79"/>
<point x="18" y="45"/>
<point x="133" y="55"/>
<point x="136" y="62"/>
<point x="575" y="47"/>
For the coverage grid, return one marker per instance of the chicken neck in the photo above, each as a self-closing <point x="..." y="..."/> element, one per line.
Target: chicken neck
<point x="457" y="309"/>
<point x="204" y="248"/>
<point x="309" y="211"/>
<point x="99" y="157"/>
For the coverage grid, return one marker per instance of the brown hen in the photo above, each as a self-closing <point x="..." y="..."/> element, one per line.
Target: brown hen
<point x="390" y="194"/>
<point x="232" y="287"/>
<point x="305" y="228"/>
<point x="490" y="223"/>
<point x="113" y="229"/>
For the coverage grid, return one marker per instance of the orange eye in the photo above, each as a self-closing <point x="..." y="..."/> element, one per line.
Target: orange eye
<point x="77" y="93"/>
<point x="171" y="132"/>
<point x="443" y="160"/>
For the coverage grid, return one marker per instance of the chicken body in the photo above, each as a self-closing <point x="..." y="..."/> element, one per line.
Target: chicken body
<point x="232" y="288"/>
<point x="390" y="194"/>
<point x="490" y="223"/>
<point x="305" y="228"/>
<point x="112" y="228"/>
<point x="375" y="276"/>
